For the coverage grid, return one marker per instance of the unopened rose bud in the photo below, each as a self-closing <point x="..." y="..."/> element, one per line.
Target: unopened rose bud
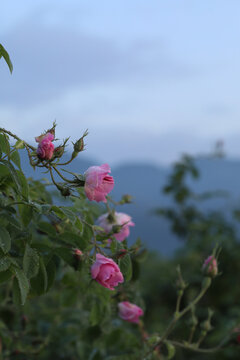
<point x="79" y="145"/>
<point x="126" y="199"/>
<point x="78" y="252"/>
<point x="64" y="190"/>
<point x="210" y="266"/>
<point x="206" y="325"/>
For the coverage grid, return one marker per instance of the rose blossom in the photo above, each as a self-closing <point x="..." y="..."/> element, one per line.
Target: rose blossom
<point x="106" y="272"/>
<point x="129" y="312"/>
<point x="98" y="183"/>
<point x="121" y="219"/>
<point x="45" y="147"/>
<point x="210" y="266"/>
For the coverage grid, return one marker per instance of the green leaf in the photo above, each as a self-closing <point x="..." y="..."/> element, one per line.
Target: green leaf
<point x="46" y="228"/>
<point x="5" y="275"/>
<point x="13" y="174"/>
<point x="51" y="273"/>
<point x="23" y="183"/>
<point x="16" y="159"/>
<point x="5" y="55"/>
<point x="125" y="264"/>
<point x="96" y="313"/>
<point x="4" y="263"/>
<point x="171" y="350"/>
<point x="30" y="262"/>
<point x="26" y="213"/>
<point x="21" y="286"/>
<point x="5" y="240"/>
<point x="79" y="224"/>
<point x="4" y="144"/>
<point x="74" y="239"/>
<point x="65" y="254"/>
<point x="19" y="144"/>
<point x="39" y="283"/>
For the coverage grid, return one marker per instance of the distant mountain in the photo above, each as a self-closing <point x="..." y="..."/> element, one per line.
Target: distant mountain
<point x="145" y="181"/>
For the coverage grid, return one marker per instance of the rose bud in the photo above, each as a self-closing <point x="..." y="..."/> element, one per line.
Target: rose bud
<point x="119" y="225"/>
<point x="210" y="266"/>
<point x="129" y="312"/>
<point x="45" y="147"/>
<point x="78" y="252"/>
<point x="98" y="183"/>
<point x="106" y="272"/>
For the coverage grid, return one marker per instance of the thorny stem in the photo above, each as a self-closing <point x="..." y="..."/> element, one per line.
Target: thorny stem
<point x="58" y="172"/>
<point x="16" y="137"/>
<point x="193" y="347"/>
<point x="177" y="316"/>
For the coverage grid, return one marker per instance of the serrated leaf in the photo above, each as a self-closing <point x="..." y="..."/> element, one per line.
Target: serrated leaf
<point x="22" y="284"/>
<point x="4" y="144"/>
<point x="74" y="239"/>
<point x="30" y="262"/>
<point x="5" y="276"/>
<point x="16" y="159"/>
<point x="96" y="313"/>
<point x="46" y="228"/>
<point x="5" y="55"/>
<point x="19" y="144"/>
<point x="51" y="273"/>
<point x="23" y="183"/>
<point x="26" y="213"/>
<point x="5" y="240"/>
<point x="4" y="263"/>
<point x="13" y="174"/>
<point x="125" y="264"/>
<point x="65" y="254"/>
<point x="39" y="283"/>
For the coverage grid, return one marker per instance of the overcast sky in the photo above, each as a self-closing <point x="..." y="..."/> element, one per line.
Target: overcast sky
<point x="150" y="79"/>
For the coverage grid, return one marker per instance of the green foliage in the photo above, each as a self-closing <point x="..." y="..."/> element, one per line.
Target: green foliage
<point x="4" y="54"/>
<point x="52" y="308"/>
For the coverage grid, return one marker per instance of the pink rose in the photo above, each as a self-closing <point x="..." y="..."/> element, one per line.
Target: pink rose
<point x="129" y="312"/>
<point x="119" y="219"/>
<point x="45" y="147"/>
<point x="98" y="183"/>
<point x="106" y="272"/>
<point x="210" y="266"/>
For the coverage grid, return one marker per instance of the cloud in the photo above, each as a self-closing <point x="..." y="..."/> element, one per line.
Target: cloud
<point x="49" y="60"/>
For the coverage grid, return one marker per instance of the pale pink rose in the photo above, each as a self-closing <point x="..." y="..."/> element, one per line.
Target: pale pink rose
<point x="106" y="272"/>
<point x="210" y="266"/>
<point x="45" y="147"/>
<point x="120" y="219"/>
<point x="98" y="183"/>
<point x="129" y="312"/>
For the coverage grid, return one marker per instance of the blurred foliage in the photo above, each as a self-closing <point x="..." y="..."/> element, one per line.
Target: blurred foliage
<point x="200" y="230"/>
